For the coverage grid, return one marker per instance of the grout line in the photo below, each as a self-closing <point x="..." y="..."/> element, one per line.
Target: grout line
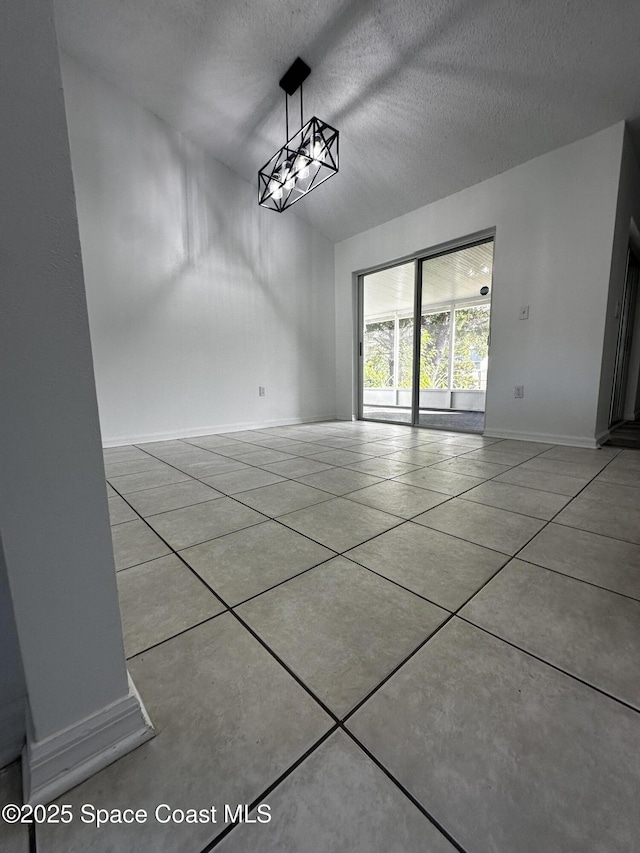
<point x="582" y="580"/>
<point x="268" y="790"/>
<point x="552" y="665"/>
<point x="404" y="790"/>
<point x="396" y="668"/>
<point x="228" y="609"/>
<point x="177" y="634"/>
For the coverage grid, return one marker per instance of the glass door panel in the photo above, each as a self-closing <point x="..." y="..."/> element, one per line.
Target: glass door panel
<point x="387" y="343"/>
<point x="455" y="308"/>
<point x="471" y="349"/>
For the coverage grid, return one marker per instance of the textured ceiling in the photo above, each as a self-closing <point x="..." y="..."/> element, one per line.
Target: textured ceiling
<point x="429" y="97"/>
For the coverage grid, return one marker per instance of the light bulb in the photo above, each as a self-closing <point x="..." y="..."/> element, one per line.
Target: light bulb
<point x="303" y="163"/>
<point x="275" y="187"/>
<point x="289" y="175"/>
<point x="317" y="152"/>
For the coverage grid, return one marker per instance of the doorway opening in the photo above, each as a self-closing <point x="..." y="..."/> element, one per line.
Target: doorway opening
<point x="424" y="339"/>
<point x="625" y="397"/>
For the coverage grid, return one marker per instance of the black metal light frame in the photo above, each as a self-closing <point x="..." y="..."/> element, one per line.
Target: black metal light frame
<point x="306" y="160"/>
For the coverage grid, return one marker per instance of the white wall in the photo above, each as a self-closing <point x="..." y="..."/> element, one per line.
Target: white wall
<point x="196" y="295"/>
<point x="554" y="220"/>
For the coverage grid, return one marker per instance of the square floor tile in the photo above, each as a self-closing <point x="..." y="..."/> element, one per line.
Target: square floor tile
<point x="440" y="480"/>
<point x="229" y="721"/>
<point x="533" y="502"/>
<point x="193" y="524"/>
<point x="216" y="465"/>
<point x="243" y="564"/>
<point x="119" y="510"/>
<point x="586" y="470"/>
<point x="239" y="449"/>
<point x="282" y="498"/>
<point x="171" y="445"/>
<point x="488" y="454"/>
<point x="600" y="455"/>
<point x="339" y="523"/>
<point x="507" y="753"/>
<point x="515" y="445"/>
<point x="339" y="457"/>
<point x="127" y="483"/>
<point x="444" y="569"/>
<point x="587" y="631"/>
<point x="483" y="470"/>
<point x="624" y="476"/>
<point x="165" y="498"/>
<point x="266" y="456"/>
<point x="596" y="516"/>
<point x="485" y="525"/>
<point x="381" y="467"/>
<point x="299" y="467"/>
<point x="339" y="481"/>
<point x="122" y="454"/>
<point x="341" y="628"/>
<point x="613" y="493"/>
<point x="597" y="559"/>
<point x="14" y="838"/>
<point x="306" y="448"/>
<point x="340" y="442"/>
<point x="561" y="484"/>
<point x="242" y="481"/>
<point x="338" y="800"/>
<point x="375" y="448"/>
<point x="417" y="457"/>
<point x="159" y="599"/>
<point x="184" y="460"/>
<point x="134" y="542"/>
<point x="398" y="498"/>
<point x="133" y="466"/>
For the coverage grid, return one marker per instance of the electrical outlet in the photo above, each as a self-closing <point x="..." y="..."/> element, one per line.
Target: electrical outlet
<point x="519" y="392"/>
<point x="524" y="313"/>
<point x="261" y="391"/>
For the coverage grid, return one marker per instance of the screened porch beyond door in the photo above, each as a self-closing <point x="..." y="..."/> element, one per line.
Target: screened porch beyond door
<point x="453" y="344"/>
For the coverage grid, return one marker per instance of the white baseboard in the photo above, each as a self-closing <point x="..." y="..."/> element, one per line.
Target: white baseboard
<point x="211" y="430"/>
<point x="12" y="730"/>
<point x="602" y="437"/>
<point x="52" y="766"/>
<point x="545" y="438"/>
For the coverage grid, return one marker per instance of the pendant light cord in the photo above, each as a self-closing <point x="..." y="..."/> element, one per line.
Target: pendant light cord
<point x="286" y="114"/>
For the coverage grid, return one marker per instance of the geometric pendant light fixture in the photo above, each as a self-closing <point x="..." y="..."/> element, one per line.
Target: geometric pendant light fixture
<point x="306" y="160"/>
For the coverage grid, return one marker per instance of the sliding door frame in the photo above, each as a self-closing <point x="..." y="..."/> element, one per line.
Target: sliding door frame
<point x="417" y="259"/>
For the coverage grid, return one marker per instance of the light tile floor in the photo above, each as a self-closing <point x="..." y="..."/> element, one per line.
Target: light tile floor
<point x="396" y="639"/>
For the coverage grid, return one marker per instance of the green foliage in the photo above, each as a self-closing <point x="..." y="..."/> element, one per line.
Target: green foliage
<point x="472" y="333"/>
<point x="471" y="336"/>
<point x="378" y="350"/>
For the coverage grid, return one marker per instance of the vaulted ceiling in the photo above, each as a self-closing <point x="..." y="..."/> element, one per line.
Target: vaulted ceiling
<point x="429" y="97"/>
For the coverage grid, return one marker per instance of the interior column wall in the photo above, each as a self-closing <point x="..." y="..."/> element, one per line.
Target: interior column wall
<point x="196" y="295"/>
<point x="54" y="519"/>
<point x="554" y="222"/>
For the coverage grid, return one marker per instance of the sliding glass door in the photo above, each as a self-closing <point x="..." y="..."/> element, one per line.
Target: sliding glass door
<point x="388" y="300"/>
<point x="425" y="340"/>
